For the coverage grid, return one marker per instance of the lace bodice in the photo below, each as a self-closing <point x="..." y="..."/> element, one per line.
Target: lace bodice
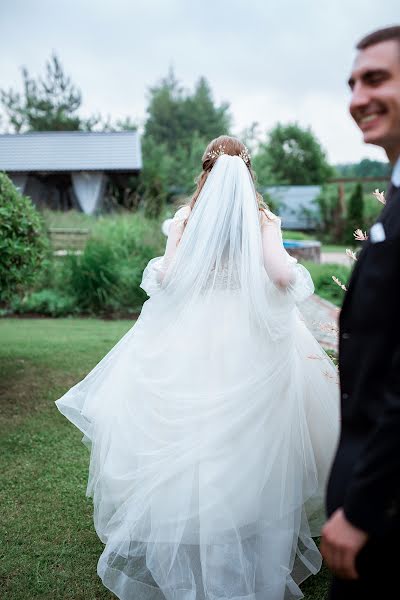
<point x="222" y="279"/>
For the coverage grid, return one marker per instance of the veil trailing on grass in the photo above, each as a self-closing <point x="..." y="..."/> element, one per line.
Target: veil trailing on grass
<point x="211" y="429"/>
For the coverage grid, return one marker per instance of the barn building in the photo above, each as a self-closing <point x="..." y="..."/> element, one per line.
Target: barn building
<point x="70" y="169"/>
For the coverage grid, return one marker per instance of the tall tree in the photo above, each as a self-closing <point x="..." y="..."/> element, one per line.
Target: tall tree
<point x="293" y="155"/>
<point x="202" y="116"/>
<point x="365" y="168"/>
<point x="48" y="103"/>
<point x="175" y="115"/>
<point x="182" y="123"/>
<point x="163" y="123"/>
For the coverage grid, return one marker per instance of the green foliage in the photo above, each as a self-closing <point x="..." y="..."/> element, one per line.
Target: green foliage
<point x="272" y="201"/>
<point x="365" y="168"/>
<point x="338" y="221"/>
<point x="107" y="276"/>
<point x="23" y="241"/>
<point x="187" y="164"/>
<point x="93" y="277"/>
<point x="372" y="208"/>
<point x="68" y="218"/>
<point x="178" y="128"/>
<point x="332" y="221"/>
<point x="155" y="176"/>
<point x="48" y="103"/>
<point x="292" y="155"/>
<point x="262" y="167"/>
<point x="327" y="203"/>
<point x="104" y="281"/>
<point x="175" y="115"/>
<point x="125" y="124"/>
<point x="288" y="234"/>
<point x="130" y="294"/>
<point x="49" y="302"/>
<point x="355" y="212"/>
<point x="324" y="285"/>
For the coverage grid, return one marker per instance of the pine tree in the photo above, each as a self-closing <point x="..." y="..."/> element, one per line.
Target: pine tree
<point x="355" y="212"/>
<point x="48" y="103"/>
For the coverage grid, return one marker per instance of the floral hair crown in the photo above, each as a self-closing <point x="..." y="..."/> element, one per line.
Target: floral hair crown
<point x="244" y="154"/>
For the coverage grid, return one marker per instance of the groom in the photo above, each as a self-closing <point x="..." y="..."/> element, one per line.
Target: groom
<point x="361" y="539"/>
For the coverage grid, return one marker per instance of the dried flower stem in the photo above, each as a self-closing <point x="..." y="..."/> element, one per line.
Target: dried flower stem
<point x="339" y="283"/>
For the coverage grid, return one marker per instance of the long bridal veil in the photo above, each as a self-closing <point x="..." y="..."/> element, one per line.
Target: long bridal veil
<point x="211" y="428"/>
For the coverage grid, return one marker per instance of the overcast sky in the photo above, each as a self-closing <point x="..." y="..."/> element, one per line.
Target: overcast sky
<point x="286" y="60"/>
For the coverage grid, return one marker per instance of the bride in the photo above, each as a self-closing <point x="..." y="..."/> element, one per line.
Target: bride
<point x="212" y="423"/>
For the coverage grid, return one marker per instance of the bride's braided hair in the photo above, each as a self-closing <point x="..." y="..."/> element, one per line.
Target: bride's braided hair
<point x="224" y="144"/>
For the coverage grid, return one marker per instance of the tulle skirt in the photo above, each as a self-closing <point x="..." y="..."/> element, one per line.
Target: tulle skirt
<point x="210" y="448"/>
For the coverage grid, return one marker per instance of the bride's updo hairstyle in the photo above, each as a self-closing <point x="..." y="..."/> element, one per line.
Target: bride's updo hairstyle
<point x="224" y="144"/>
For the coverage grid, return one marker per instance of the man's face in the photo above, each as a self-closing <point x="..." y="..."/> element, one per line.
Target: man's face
<point x="375" y="100"/>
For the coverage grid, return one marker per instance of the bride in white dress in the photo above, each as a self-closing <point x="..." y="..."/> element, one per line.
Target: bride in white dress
<point x="212" y="423"/>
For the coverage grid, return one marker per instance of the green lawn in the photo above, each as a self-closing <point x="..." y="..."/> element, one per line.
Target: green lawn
<point x="48" y="547"/>
<point x="334" y="248"/>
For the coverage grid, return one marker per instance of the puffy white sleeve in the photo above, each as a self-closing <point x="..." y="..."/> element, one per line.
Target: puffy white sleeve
<point x="282" y="269"/>
<point x="156" y="269"/>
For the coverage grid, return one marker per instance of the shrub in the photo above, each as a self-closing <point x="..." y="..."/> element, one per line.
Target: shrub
<point x="130" y="294"/>
<point x="355" y="213"/>
<point x="154" y="177"/>
<point x="107" y="276"/>
<point x="324" y="285"/>
<point x="93" y="276"/>
<point x="330" y="210"/>
<point x="23" y="241"/>
<point x="129" y="233"/>
<point x="48" y="302"/>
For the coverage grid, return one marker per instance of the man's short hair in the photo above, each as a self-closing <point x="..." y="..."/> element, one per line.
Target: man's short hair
<point x="381" y="35"/>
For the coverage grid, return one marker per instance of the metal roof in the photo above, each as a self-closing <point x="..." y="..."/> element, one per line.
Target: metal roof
<point x="296" y="205"/>
<point x="71" y="151"/>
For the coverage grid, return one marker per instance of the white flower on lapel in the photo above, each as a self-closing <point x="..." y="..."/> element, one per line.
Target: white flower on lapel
<point x="377" y="233"/>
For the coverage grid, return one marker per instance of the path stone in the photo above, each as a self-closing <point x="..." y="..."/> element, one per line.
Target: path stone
<point x="316" y="312"/>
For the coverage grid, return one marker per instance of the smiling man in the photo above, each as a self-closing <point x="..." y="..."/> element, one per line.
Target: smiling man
<point x="360" y="541"/>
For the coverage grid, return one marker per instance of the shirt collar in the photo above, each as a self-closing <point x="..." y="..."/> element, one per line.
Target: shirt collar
<point x="396" y="173"/>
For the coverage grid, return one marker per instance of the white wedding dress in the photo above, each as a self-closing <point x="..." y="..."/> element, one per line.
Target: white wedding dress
<point x="213" y="422"/>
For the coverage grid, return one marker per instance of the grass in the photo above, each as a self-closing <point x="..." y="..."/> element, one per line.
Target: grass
<point x="289" y="234"/>
<point x="69" y="219"/>
<point x="334" y="248"/>
<point x="49" y="549"/>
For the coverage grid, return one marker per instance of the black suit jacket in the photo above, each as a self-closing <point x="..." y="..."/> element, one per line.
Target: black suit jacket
<point x="365" y="477"/>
